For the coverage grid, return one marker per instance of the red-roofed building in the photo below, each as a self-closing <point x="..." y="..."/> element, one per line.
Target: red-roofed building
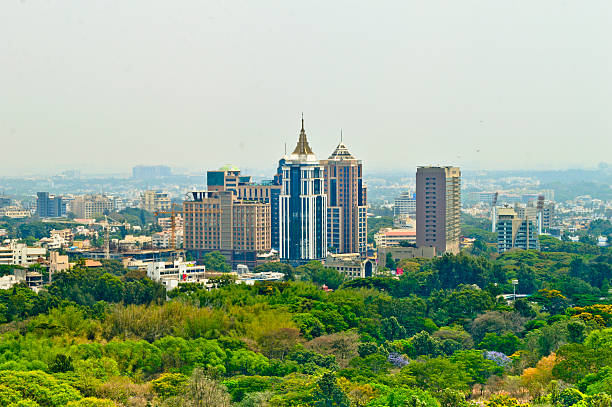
<point x="393" y="237"/>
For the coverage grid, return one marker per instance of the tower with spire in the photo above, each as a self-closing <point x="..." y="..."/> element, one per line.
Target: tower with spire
<point x="302" y="205"/>
<point x="346" y="197"/>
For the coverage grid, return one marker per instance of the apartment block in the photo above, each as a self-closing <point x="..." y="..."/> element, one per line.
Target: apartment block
<point x="438" y="208"/>
<point x="153" y="201"/>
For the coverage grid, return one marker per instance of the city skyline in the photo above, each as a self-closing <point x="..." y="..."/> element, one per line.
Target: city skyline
<point x="105" y="87"/>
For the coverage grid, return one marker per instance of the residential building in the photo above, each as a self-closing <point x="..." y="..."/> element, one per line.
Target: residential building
<point x="153" y="201"/>
<point x="151" y="171"/>
<point x="438" y="208"/>
<point x="49" y="206"/>
<point x="405" y="204"/>
<point x="20" y="254"/>
<point x="166" y="223"/>
<point x="303" y="206"/>
<point x="346" y="202"/>
<point x="393" y="237"/>
<point x="32" y="278"/>
<point x="91" y="206"/>
<point x="219" y="221"/>
<point x="57" y="263"/>
<point x="515" y="232"/>
<point x="163" y="240"/>
<point x="65" y="234"/>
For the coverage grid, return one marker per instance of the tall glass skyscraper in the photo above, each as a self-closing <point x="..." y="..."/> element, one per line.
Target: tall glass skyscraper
<point x="303" y="206"/>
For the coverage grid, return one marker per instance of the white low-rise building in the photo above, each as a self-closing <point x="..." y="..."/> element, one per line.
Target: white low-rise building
<point x="20" y="254"/>
<point x="173" y="273"/>
<point x="252" y="278"/>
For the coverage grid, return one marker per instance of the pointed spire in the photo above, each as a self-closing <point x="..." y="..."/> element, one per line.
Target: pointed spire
<point x="302" y="147"/>
<point x="341" y="152"/>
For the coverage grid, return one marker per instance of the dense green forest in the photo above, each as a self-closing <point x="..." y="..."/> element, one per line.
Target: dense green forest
<point x="440" y="335"/>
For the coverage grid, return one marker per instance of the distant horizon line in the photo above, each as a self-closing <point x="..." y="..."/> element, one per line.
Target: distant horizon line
<point x="375" y="169"/>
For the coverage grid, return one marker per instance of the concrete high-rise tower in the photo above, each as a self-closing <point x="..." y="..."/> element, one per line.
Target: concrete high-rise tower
<point x="303" y="206"/>
<point x="346" y="200"/>
<point x="438" y="208"/>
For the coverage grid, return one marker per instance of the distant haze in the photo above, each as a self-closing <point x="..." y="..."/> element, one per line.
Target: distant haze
<point x="103" y="85"/>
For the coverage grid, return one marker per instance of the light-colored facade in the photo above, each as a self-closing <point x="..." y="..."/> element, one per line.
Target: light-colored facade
<point x="405" y="204"/>
<point x="438" y="208"/>
<point x="346" y="202"/>
<point x="303" y="206"/>
<point x="153" y="201"/>
<point x="14" y="212"/>
<point x="180" y="270"/>
<point x="351" y="265"/>
<point x="58" y="262"/>
<point x="162" y="240"/>
<point x="393" y="237"/>
<point x="514" y="232"/>
<point x="91" y="206"/>
<point x="21" y="255"/>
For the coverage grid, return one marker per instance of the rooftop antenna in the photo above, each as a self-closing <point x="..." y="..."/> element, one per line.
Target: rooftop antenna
<point x="285" y="148"/>
<point x="302" y="121"/>
<point x="341" y="135"/>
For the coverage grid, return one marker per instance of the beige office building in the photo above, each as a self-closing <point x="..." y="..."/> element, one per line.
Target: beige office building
<point x="438" y="208"/>
<point x="153" y="201"/>
<point x="90" y="206"/>
<point x="219" y="221"/>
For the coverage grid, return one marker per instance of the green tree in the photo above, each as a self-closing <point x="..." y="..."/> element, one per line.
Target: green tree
<point x="214" y="261"/>
<point x="436" y="374"/>
<point x="507" y="343"/>
<point x="329" y="394"/>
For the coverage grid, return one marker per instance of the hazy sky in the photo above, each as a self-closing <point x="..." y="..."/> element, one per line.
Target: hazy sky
<point x="107" y="84"/>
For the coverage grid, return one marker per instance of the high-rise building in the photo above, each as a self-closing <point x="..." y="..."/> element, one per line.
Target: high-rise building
<point x="49" y="206"/>
<point x="514" y="231"/>
<point x="229" y="178"/>
<point x="405" y="204"/>
<point x="153" y="201"/>
<point x="303" y="206"/>
<point x="438" y="208"/>
<point x="346" y="202"/>
<point x="219" y="221"/>
<point x="151" y="171"/>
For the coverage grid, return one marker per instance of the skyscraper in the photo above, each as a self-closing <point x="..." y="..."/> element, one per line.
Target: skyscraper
<point x="346" y="200"/>
<point x="438" y="208"/>
<point x="303" y="206"/>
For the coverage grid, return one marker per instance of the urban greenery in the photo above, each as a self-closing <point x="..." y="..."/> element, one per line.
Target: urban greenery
<point x="442" y="334"/>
